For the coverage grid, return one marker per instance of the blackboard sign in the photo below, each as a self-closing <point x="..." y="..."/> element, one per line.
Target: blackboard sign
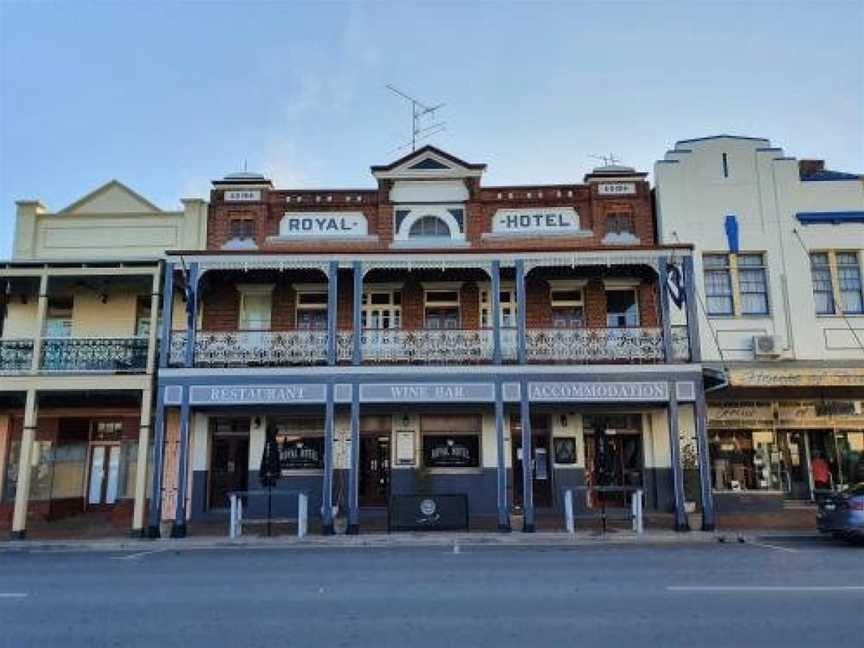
<point x="428" y="513"/>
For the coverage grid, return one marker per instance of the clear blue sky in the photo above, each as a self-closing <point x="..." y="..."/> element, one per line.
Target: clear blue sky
<point x="166" y="96"/>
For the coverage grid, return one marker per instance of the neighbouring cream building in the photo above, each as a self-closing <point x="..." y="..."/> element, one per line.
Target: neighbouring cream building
<point x="779" y="248"/>
<point x="78" y="304"/>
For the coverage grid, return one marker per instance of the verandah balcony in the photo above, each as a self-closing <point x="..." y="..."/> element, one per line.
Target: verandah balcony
<point x="75" y="354"/>
<point x="431" y="346"/>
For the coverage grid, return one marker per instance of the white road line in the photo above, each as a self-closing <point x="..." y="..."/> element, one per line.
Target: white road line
<point x="140" y="554"/>
<point x="13" y="595"/>
<point x="765" y="588"/>
<point x="772" y="546"/>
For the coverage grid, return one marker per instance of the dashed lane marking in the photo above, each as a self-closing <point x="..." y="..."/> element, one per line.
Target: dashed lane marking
<point x="765" y="588"/>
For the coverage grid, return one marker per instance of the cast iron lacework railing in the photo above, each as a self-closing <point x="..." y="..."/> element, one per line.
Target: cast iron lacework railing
<point x="16" y="356"/>
<point x="432" y="346"/>
<point x="94" y="354"/>
<point x="594" y="345"/>
<point x="439" y="346"/>
<point x="253" y="348"/>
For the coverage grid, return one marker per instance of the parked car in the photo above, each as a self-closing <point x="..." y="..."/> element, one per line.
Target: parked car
<point x="842" y="514"/>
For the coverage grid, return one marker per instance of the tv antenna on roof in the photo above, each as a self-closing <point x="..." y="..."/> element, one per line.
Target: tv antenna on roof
<point x="419" y="113"/>
<point x="608" y="160"/>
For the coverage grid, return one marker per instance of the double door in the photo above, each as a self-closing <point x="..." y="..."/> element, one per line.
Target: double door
<point x="374" y="482"/>
<point x="103" y="482"/>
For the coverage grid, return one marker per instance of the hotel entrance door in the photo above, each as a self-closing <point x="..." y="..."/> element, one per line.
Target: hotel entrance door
<point x="540" y="462"/>
<point x="374" y="486"/>
<point x="229" y="467"/>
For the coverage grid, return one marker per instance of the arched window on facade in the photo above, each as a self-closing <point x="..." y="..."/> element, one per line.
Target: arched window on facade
<point x="429" y="227"/>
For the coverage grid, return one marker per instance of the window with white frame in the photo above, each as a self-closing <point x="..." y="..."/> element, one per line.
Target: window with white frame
<point x="622" y="308"/>
<point x="381" y="309"/>
<point x="823" y="290"/>
<point x="429" y="227"/>
<point x="567" y="303"/>
<point x="311" y="308"/>
<point x="507" y="312"/>
<point x="256" y="303"/>
<point x="836" y="277"/>
<point x="736" y="284"/>
<point x="441" y="308"/>
<point x="718" y="284"/>
<point x="753" y="284"/>
<point x="849" y="283"/>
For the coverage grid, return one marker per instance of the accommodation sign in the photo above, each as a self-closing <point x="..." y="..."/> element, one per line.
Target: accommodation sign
<point x="545" y="221"/>
<point x="427" y="393"/>
<point x="343" y="224"/>
<point x="598" y="391"/>
<point x="256" y="394"/>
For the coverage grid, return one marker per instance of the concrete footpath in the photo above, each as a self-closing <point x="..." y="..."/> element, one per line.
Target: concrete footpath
<point x="407" y="540"/>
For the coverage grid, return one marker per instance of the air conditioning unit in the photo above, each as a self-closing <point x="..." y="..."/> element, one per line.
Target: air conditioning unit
<point x="766" y="346"/>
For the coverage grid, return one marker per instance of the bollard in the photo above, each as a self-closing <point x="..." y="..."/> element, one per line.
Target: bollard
<point x="569" y="522"/>
<point x="232" y="520"/>
<point x="636" y="506"/>
<point x="302" y="514"/>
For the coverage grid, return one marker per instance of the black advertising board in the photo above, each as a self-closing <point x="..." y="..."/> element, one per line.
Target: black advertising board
<point x="428" y="513"/>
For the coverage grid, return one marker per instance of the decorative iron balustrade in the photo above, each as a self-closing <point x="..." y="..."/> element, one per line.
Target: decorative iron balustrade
<point x="122" y="355"/>
<point x="556" y="345"/>
<point x="430" y="346"/>
<point x="16" y="356"/>
<point x="252" y="348"/>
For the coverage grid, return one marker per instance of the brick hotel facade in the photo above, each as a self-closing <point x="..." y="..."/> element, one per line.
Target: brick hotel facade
<point x="423" y="336"/>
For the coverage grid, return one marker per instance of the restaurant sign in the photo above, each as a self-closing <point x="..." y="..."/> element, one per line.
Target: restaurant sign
<point x="427" y="393"/>
<point x="598" y="391"/>
<point x="345" y="224"/>
<point x="543" y="221"/>
<point x="256" y="394"/>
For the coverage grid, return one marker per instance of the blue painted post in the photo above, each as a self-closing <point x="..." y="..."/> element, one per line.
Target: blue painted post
<point x="495" y="303"/>
<point x="675" y="456"/>
<point x="665" y="322"/>
<point x="709" y="516"/>
<point x="179" y="528"/>
<point x="191" y="314"/>
<point x="357" y="320"/>
<point x="332" y="287"/>
<point x="521" y="311"/>
<point x="503" y="509"/>
<point x="167" y="315"/>
<point x="155" y="512"/>
<point x="692" y="310"/>
<point x="354" y="485"/>
<point x="528" y="525"/>
<point x="327" y="486"/>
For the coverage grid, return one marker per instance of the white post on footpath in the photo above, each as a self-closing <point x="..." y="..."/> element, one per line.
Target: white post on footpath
<point x="302" y="514"/>
<point x="636" y="505"/>
<point x="568" y="511"/>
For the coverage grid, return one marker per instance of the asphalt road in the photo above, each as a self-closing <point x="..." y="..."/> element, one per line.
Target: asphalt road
<point x="783" y="594"/>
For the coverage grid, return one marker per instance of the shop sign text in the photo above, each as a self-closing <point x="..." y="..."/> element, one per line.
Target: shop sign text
<point x="616" y="188"/>
<point x="550" y="220"/>
<point x="323" y="225"/>
<point x="244" y="195"/>
<point x="427" y="392"/>
<point x="598" y="391"/>
<point x="255" y="394"/>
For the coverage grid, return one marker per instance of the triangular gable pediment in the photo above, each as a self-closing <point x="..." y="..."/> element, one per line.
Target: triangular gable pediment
<point x="428" y="162"/>
<point x="111" y="198"/>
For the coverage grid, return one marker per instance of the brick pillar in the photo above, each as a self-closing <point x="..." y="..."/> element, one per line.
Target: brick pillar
<point x="469" y="300"/>
<point x="595" y="304"/>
